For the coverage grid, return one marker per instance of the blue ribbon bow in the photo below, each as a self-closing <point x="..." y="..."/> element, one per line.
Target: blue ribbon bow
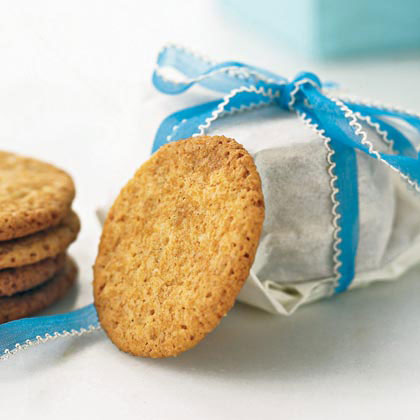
<point x="337" y="122"/>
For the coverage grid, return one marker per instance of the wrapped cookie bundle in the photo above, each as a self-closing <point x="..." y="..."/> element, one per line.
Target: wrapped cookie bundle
<point x="339" y="176"/>
<point x="36" y="227"/>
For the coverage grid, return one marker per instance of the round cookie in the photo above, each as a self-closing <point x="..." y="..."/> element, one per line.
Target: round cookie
<point x="19" y="279"/>
<point x="38" y="246"/>
<point x="177" y="246"/>
<point x="35" y="300"/>
<point x="33" y="195"/>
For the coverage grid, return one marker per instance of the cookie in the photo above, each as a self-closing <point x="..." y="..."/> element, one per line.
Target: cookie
<point x="35" y="300"/>
<point x="19" y="279"/>
<point x="33" y="195"/>
<point x="38" y="246"/>
<point x="177" y="246"/>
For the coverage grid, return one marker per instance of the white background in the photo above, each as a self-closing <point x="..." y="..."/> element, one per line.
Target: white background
<point x="75" y="90"/>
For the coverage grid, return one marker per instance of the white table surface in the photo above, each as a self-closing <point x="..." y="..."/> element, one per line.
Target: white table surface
<point x="75" y="90"/>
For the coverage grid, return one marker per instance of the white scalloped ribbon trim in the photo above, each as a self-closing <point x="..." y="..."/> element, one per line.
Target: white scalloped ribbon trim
<point x="352" y="118"/>
<point x="334" y="191"/>
<point x="46" y="338"/>
<point x="234" y="71"/>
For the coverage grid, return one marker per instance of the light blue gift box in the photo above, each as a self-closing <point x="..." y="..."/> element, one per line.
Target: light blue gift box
<point x="332" y="28"/>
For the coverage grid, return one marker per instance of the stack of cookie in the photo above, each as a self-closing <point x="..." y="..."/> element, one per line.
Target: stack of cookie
<point x="37" y="226"/>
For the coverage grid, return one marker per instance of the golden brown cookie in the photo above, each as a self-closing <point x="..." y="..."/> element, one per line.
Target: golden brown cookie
<point x="38" y="246"/>
<point x="35" y="300"/>
<point x="33" y="195"/>
<point x="177" y="246"/>
<point x="19" y="279"/>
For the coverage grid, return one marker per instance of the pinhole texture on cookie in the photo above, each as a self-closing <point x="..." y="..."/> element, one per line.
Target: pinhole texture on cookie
<point x="177" y="246"/>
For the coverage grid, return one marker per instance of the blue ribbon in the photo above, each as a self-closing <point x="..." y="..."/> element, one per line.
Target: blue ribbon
<point x="25" y="332"/>
<point x="337" y="122"/>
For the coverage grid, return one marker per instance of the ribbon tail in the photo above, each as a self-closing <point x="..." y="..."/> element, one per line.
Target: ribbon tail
<point x="380" y="111"/>
<point x="396" y="140"/>
<point x="341" y="124"/>
<point x="20" y="334"/>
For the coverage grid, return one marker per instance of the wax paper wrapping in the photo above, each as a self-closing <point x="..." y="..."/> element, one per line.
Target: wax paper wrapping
<point x="294" y="261"/>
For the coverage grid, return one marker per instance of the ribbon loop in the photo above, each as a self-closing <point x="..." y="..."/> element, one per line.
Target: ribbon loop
<point x="292" y="92"/>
